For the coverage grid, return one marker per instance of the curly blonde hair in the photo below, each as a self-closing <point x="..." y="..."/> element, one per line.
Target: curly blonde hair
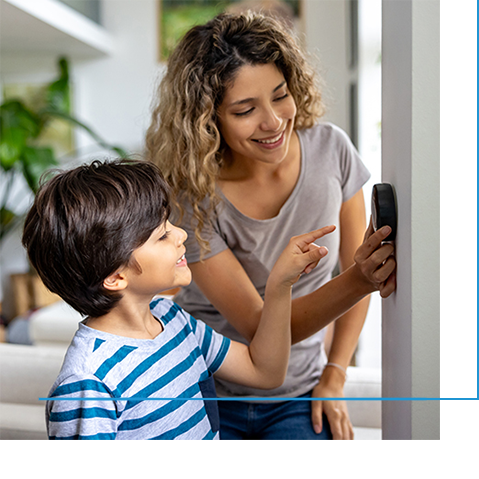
<point x="183" y="138"/>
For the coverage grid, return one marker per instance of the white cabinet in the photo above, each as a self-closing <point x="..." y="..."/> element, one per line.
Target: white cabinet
<point x="49" y="27"/>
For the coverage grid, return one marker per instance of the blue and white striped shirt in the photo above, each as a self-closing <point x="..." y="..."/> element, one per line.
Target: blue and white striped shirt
<point x="100" y="368"/>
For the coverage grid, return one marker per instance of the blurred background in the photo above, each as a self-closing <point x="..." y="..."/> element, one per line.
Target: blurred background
<point x="78" y="78"/>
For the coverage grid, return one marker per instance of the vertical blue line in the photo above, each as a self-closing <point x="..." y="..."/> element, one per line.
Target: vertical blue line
<point x="477" y="204"/>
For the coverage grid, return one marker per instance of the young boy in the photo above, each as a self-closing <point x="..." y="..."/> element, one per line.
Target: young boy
<point x="139" y="367"/>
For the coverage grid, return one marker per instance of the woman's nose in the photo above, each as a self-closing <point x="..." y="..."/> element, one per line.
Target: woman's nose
<point x="271" y="121"/>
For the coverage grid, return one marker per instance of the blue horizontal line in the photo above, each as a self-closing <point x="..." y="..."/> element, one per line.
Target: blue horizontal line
<point x="261" y="399"/>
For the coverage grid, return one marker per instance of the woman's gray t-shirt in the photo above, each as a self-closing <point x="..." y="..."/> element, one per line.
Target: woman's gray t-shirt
<point x="331" y="173"/>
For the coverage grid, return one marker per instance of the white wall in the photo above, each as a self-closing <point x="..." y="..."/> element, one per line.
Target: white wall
<point x="369" y="145"/>
<point x="114" y="94"/>
<point x="411" y="163"/>
<point x="325" y="25"/>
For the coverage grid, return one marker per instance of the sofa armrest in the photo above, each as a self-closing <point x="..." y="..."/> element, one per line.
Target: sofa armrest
<point x="28" y="372"/>
<point x="364" y="383"/>
<point x="22" y="422"/>
<point x="55" y="324"/>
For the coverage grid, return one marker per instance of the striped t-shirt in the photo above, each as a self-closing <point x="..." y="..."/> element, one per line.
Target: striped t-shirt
<point x="100" y="368"/>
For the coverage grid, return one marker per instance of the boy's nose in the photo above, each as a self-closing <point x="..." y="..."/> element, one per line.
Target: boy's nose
<point x="182" y="235"/>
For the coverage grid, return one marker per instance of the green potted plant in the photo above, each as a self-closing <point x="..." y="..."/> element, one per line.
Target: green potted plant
<point x="22" y="151"/>
<point x="26" y="153"/>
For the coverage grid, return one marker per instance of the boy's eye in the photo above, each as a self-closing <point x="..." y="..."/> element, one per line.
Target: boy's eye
<point x="167" y="233"/>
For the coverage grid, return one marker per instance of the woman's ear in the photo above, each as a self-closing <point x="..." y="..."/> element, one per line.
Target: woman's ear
<point x="116" y="281"/>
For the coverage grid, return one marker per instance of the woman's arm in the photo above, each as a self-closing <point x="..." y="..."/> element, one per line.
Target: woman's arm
<point x="346" y="329"/>
<point x="224" y="282"/>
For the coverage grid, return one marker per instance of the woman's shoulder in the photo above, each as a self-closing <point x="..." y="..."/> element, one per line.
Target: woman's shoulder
<point x="323" y="131"/>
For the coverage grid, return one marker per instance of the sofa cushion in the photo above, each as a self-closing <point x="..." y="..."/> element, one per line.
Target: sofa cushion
<point x="367" y="434"/>
<point x="53" y="325"/>
<point x="22" y="421"/>
<point x="28" y="372"/>
<point x="364" y="383"/>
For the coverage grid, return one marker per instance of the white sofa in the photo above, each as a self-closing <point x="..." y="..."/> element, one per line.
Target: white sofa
<point x="27" y="373"/>
<point x="365" y="415"/>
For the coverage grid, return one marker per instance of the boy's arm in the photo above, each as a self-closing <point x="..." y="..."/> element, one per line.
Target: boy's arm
<point x="77" y="409"/>
<point x="264" y="362"/>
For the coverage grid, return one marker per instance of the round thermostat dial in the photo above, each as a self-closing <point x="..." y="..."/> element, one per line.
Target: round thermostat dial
<point x="384" y="208"/>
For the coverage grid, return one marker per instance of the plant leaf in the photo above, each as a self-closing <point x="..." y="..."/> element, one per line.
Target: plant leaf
<point x="6" y="216"/>
<point x="57" y="95"/>
<point x="17" y="124"/>
<point x="36" y="161"/>
<point x="11" y="146"/>
<point x="14" y="114"/>
<point x="8" y="220"/>
<point x="65" y="116"/>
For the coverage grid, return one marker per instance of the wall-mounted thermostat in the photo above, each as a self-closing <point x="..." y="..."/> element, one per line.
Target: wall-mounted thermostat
<point x="384" y="208"/>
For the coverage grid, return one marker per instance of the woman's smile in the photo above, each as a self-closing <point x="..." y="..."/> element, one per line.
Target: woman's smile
<point x="271" y="143"/>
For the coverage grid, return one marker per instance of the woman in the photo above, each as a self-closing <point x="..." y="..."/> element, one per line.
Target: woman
<point x="236" y="134"/>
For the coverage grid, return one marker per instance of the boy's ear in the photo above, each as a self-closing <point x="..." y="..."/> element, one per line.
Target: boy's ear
<point x="116" y="281"/>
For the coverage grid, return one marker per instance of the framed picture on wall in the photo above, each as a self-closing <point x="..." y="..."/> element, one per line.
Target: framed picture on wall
<point x="176" y="17"/>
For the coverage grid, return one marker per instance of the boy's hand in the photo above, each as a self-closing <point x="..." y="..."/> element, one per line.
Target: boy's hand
<point x="300" y="256"/>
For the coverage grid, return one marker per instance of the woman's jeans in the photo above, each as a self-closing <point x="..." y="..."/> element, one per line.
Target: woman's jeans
<point x="269" y="420"/>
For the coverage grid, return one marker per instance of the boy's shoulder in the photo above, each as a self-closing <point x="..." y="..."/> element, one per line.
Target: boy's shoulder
<point x="89" y="347"/>
<point x="166" y="311"/>
<point x="78" y="364"/>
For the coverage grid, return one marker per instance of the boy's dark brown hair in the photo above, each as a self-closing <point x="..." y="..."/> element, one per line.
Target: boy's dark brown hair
<point x="85" y="224"/>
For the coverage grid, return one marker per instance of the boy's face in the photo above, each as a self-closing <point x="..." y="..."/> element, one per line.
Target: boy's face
<point x="162" y="262"/>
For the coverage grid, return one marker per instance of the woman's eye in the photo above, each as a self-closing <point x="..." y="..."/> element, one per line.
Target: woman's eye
<point x="282" y="97"/>
<point x="243" y="113"/>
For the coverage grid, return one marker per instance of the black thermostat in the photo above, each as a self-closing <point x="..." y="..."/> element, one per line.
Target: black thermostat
<point x="384" y="209"/>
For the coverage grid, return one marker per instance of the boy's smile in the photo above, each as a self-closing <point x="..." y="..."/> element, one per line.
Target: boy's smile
<point x="181" y="261"/>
